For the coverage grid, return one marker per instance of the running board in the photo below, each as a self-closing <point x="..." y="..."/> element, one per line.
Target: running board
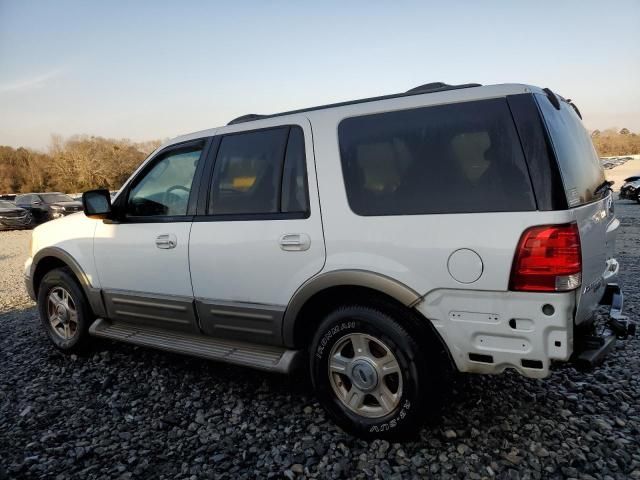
<point x="268" y="358"/>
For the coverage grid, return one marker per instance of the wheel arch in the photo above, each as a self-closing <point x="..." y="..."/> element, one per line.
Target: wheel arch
<point x="50" y="258"/>
<point x="330" y="288"/>
<point x="320" y="295"/>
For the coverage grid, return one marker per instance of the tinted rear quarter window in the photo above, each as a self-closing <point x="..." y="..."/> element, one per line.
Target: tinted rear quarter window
<point x="455" y="158"/>
<point x="295" y="194"/>
<point x="578" y="161"/>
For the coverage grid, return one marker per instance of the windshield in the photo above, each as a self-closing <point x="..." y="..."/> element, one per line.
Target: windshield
<point x="5" y="204"/>
<point x="55" y="197"/>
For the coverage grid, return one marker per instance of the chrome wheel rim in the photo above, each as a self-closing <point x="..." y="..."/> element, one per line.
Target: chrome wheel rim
<point x="62" y="313"/>
<point x="365" y="375"/>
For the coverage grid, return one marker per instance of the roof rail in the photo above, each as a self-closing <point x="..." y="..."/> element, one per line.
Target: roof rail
<point x="247" y="118"/>
<point x="426" y="88"/>
<point x="440" y="87"/>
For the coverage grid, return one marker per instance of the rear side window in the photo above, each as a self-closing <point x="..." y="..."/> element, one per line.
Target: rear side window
<point x="260" y="172"/>
<point x="578" y="161"/>
<point x="456" y="158"/>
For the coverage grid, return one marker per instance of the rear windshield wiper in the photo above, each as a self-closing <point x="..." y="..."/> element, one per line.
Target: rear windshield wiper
<point x="575" y="108"/>
<point x="603" y="187"/>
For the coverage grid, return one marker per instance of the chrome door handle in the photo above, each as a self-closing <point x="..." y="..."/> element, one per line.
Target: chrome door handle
<point x="295" y="242"/>
<point x="166" y="241"/>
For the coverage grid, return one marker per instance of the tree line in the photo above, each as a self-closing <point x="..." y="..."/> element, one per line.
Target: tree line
<point x="71" y="165"/>
<point x="82" y="162"/>
<point x="612" y="142"/>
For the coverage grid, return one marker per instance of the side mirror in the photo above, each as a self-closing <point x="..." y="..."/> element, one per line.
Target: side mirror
<point x="97" y="203"/>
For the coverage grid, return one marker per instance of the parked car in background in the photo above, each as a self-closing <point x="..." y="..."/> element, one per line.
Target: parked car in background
<point x="48" y="206"/>
<point x="613" y="162"/>
<point x="630" y="189"/>
<point x="12" y="216"/>
<point x="8" y="196"/>
<point x="78" y="196"/>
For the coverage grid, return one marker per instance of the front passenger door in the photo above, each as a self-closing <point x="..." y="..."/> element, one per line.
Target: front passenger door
<point x="142" y="257"/>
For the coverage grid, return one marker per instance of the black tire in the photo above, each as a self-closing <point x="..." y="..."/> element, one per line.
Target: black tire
<point x="63" y="278"/>
<point x="421" y="370"/>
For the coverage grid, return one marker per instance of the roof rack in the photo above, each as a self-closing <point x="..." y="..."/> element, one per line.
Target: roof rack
<point x="426" y="88"/>
<point x="440" y="87"/>
<point x="250" y="117"/>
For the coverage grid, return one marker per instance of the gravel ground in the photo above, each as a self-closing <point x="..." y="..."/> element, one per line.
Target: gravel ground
<point x="129" y="412"/>
<point x="14" y="250"/>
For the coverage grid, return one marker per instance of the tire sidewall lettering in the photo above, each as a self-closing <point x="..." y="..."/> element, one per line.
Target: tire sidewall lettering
<point x="331" y="333"/>
<point x="394" y="422"/>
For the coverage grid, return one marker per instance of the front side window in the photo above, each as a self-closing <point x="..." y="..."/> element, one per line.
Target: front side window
<point x="164" y="189"/>
<point x="454" y="158"/>
<point x="260" y="172"/>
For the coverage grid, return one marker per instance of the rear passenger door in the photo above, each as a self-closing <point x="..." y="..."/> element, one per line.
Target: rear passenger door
<point x="257" y="235"/>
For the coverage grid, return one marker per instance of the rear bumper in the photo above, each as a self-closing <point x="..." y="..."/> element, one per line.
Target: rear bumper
<point x="490" y="331"/>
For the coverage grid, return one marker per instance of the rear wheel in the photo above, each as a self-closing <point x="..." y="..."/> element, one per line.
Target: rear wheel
<point x="371" y="375"/>
<point x="64" y="311"/>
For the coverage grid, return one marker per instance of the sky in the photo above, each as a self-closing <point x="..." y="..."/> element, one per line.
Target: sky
<point x="156" y="69"/>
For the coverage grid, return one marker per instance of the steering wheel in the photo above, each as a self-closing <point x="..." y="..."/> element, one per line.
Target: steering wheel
<point x="168" y="194"/>
<point x="177" y="187"/>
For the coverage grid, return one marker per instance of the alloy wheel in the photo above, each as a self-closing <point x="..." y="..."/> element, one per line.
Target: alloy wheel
<point x="62" y="313"/>
<point x="365" y="375"/>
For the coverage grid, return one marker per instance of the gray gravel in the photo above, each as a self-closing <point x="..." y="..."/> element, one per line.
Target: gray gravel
<point x="14" y="250"/>
<point x="129" y="412"/>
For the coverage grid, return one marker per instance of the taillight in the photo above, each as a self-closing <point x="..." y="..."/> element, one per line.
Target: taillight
<point x="548" y="259"/>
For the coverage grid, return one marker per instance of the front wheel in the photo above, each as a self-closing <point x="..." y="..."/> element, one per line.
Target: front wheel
<point x="64" y="311"/>
<point x="371" y="375"/>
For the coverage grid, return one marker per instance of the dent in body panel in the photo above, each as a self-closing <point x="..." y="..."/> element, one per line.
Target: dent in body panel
<point x="509" y="326"/>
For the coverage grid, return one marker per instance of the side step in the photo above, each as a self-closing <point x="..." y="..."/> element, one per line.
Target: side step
<point x="271" y="359"/>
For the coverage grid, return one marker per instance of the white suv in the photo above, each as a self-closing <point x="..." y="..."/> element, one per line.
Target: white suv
<point x="384" y="241"/>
